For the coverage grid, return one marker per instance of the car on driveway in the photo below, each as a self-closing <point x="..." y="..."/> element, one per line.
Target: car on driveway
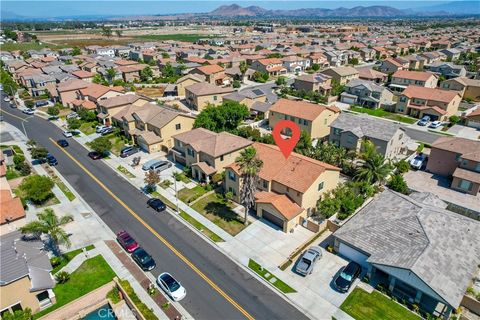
<point x="424" y="121"/>
<point x="106" y="131"/>
<point x="418" y="161"/>
<point x="435" y="124"/>
<point x="128" y="151"/>
<point x="156" y="204"/>
<point x="156" y="165"/>
<point x="62" y="143"/>
<point x="72" y="115"/>
<point x="171" y="286"/>
<point x="307" y="261"/>
<point x="67" y="134"/>
<point x="51" y="160"/>
<point x="345" y="279"/>
<point x="143" y="259"/>
<point x="29" y="111"/>
<point x="95" y="155"/>
<point x="6" y="99"/>
<point x="41" y="104"/>
<point x="126" y="241"/>
<point x="99" y="128"/>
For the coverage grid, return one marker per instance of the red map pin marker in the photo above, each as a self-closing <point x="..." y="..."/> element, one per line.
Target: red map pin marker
<point x="286" y="145"/>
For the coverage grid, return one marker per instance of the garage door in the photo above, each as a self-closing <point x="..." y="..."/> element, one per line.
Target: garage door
<point x="353" y="254"/>
<point x="348" y="100"/>
<point x="473" y="124"/>
<point x="272" y="218"/>
<point x="433" y="117"/>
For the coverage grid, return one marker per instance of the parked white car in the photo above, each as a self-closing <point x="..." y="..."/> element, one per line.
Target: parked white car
<point x="72" y="115"/>
<point x="67" y="134"/>
<point x="30" y="112"/>
<point x="171" y="286"/>
<point x="435" y="124"/>
<point x="418" y="161"/>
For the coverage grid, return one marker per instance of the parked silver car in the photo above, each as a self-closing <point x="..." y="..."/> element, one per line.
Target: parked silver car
<point x="307" y="261"/>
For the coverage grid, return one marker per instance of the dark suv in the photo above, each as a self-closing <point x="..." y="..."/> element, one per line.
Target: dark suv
<point x="128" y="151"/>
<point x="143" y="259"/>
<point x="348" y="275"/>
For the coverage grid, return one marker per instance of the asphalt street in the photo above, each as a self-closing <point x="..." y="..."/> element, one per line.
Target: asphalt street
<point x="202" y="300"/>
<point x="421" y="135"/>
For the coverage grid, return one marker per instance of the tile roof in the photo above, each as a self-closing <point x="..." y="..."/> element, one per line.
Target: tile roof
<point x="97" y="90"/>
<point x="71" y="85"/>
<point x="413" y="75"/>
<point x="211" y="143"/>
<point x="300" y="109"/>
<point x="203" y="89"/>
<point x="82" y="74"/>
<point x="210" y="69"/>
<point x="438" y="246"/>
<point x="369" y="73"/>
<point x="344" y="71"/>
<point x="467" y="175"/>
<point x="120" y="100"/>
<point x="11" y="208"/>
<point x="429" y="93"/>
<point x="297" y="172"/>
<point x="286" y="207"/>
<point x="469" y="149"/>
<point x="314" y="77"/>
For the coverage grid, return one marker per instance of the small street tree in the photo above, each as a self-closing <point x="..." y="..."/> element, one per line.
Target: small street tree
<point x="50" y="224"/>
<point x="53" y="111"/>
<point x="152" y="178"/>
<point x="250" y="166"/>
<point x="39" y="153"/>
<point x="146" y="74"/>
<point x="243" y="68"/>
<point x="74" y="123"/>
<point x="111" y="73"/>
<point x="101" y="145"/>
<point x="37" y="188"/>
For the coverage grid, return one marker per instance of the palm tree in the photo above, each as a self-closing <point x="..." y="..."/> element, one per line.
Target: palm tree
<point x="374" y="169"/>
<point x="243" y="68"/>
<point x="50" y="224"/>
<point x="250" y="166"/>
<point x="111" y="73"/>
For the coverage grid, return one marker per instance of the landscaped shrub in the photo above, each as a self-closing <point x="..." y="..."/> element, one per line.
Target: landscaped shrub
<point x="144" y="310"/>
<point x="62" y="276"/>
<point x="55" y="261"/>
<point x="397" y="183"/>
<point x="114" y="295"/>
<point x="402" y="166"/>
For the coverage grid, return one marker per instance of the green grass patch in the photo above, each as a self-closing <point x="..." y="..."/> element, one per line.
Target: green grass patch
<point x="219" y="211"/>
<point x="69" y="194"/>
<point x="165" y="184"/>
<point x="117" y="144"/>
<point x="88" y="128"/>
<point x="200" y="227"/>
<point x="125" y="171"/>
<point x="25" y="46"/>
<point x="66" y="257"/>
<point x="142" y="307"/>
<point x="367" y="306"/>
<point x="12" y="173"/>
<point x="91" y="274"/>
<point x="51" y="201"/>
<point x="279" y="284"/>
<point x="189" y="195"/>
<point x="384" y="114"/>
<point x="176" y="37"/>
<point x="17" y="149"/>
<point x="180" y="176"/>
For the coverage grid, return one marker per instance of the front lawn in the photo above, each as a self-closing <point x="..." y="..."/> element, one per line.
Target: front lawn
<point x="66" y="257"/>
<point x="384" y="114"/>
<point x="375" y="306"/>
<point x="219" y="211"/>
<point x="88" y="127"/>
<point x="189" y="195"/>
<point x="279" y="284"/>
<point x="92" y="274"/>
<point x="200" y="227"/>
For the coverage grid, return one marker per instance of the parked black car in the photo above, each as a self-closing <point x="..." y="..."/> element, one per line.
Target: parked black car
<point x="156" y="204"/>
<point x="348" y="275"/>
<point x="51" y="160"/>
<point x="63" y="143"/>
<point x="95" y="155"/>
<point x="128" y="151"/>
<point x="143" y="259"/>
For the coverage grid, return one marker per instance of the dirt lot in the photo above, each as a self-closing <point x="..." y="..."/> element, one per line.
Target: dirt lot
<point x="151" y="92"/>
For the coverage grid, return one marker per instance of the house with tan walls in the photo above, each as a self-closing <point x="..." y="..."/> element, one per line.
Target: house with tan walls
<point x="312" y="118"/>
<point x="109" y="107"/>
<point x="288" y="189"/>
<point x="316" y="82"/>
<point x="404" y="78"/>
<point x="418" y="102"/>
<point x="459" y="159"/>
<point x="207" y="152"/>
<point x="186" y="81"/>
<point x="68" y="90"/>
<point x="246" y="97"/>
<point x="467" y="88"/>
<point x="214" y="74"/>
<point x="25" y="280"/>
<point x="342" y="74"/>
<point x="201" y="94"/>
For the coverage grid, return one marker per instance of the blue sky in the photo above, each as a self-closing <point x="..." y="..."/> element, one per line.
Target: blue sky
<point x="46" y="9"/>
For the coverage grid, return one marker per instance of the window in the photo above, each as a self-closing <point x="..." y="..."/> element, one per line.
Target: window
<point x="232" y="176"/>
<point x="350" y="139"/>
<point x="265" y="184"/>
<point x="403" y="99"/>
<point x="305" y="122"/>
<point x="214" y="98"/>
<point x="465" y="162"/>
<point x="221" y="158"/>
<point x="337" y="131"/>
<point x="320" y="186"/>
<point x="457" y="157"/>
<point x="233" y="191"/>
<point x="465" y="185"/>
<point x="191" y="152"/>
<point x="477" y="167"/>
<point x="178" y="126"/>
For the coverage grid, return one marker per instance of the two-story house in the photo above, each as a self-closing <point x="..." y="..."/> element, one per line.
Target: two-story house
<point x="312" y="118"/>
<point x="370" y="74"/>
<point x="296" y="63"/>
<point x="246" y="97"/>
<point x="467" y="88"/>
<point x="214" y="74"/>
<point x="316" y="82"/>
<point x="187" y="80"/>
<point x="68" y="90"/>
<point x="342" y="74"/>
<point x="418" y="102"/>
<point x="107" y="108"/>
<point x="207" y="152"/>
<point x="40" y="84"/>
<point x="272" y="66"/>
<point x="349" y="131"/>
<point x="404" y="78"/>
<point x="458" y="158"/>
<point x="366" y="94"/>
<point x="201" y="94"/>
<point x="447" y="69"/>
<point x="288" y="189"/>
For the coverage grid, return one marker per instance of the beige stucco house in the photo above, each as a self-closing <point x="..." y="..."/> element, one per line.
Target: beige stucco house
<point x="288" y="189"/>
<point x="314" y="119"/>
<point x="316" y="82"/>
<point x="342" y="74"/>
<point x="467" y="88"/>
<point x="404" y="78"/>
<point x="199" y="95"/>
<point x="186" y="81"/>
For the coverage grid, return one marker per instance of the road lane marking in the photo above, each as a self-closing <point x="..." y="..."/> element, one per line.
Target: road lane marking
<point x="156" y="234"/>
<point x="15" y="116"/>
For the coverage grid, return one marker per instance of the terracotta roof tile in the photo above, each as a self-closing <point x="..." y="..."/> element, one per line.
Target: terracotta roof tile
<point x="430" y="94"/>
<point x="286" y="207"/>
<point x="300" y="109"/>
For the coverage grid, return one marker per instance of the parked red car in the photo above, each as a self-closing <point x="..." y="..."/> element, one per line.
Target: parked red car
<point x="126" y="241"/>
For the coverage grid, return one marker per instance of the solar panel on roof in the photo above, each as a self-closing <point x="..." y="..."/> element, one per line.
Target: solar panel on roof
<point x="258" y="92"/>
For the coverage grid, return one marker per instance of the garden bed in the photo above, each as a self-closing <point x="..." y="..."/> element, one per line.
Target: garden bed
<point x="384" y="114"/>
<point x="189" y="195"/>
<point x="265" y="274"/>
<point x="125" y="171"/>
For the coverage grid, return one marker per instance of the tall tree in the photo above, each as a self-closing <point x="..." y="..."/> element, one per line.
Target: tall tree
<point x="50" y="224"/>
<point x="152" y="178"/>
<point x="374" y="169"/>
<point x="243" y="69"/>
<point x="250" y="167"/>
<point x="111" y="73"/>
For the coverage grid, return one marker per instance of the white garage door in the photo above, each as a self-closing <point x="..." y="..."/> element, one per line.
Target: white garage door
<point x="348" y="100"/>
<point x="353" y="254"/>
<point x="473" y="124"/>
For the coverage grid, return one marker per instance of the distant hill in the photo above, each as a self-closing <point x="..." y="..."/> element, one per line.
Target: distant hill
<point x="235" y="10"/>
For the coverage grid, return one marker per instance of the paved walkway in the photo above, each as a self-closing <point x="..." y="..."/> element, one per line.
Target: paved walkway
<point x="77" y="261"/>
